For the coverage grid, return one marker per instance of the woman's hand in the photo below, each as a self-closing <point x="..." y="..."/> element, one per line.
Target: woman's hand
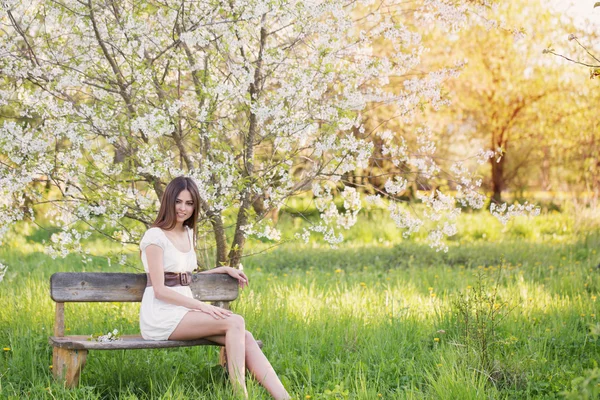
<point x="213" y="311"/>
<point x="237" y="274"/>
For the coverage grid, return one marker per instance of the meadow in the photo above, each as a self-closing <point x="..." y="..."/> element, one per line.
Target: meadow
<point x="507" y="313"/>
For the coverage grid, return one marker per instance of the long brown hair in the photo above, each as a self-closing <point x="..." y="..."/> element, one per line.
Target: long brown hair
<point x="167" y="217"/>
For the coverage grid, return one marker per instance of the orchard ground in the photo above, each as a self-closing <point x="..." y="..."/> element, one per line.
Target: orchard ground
<point x="508" y="312"/>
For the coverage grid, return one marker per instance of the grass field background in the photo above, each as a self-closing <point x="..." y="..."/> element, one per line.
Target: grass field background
<point x="508" y="313"/>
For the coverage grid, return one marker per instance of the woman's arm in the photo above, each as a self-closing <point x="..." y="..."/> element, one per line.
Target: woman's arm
<point x="234" y="273"/>
<point x="154" y="255"/>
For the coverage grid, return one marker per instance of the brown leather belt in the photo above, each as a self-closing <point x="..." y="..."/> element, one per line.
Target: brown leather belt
<point x="174" y="279"/>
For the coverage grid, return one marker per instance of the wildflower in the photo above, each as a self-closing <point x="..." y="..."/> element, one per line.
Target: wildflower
<point x="379" y="395"/>
<point x="338" y="271"/>
<point x="593" y="298"/>
<point x="440" y="364"/>
<point x="436" y="339"/>
<point x="307" y="396"/>
<point x="430" y="289"/>
<point x="51" y="367"/>
<point x="432" y="294"/>
<point x="363" y="284"/>
<point x="6" y="349"/>
<point x="469" y="287"/>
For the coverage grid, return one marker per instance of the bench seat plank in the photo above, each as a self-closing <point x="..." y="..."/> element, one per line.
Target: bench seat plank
<point x="119" y="287"/>
<point x="81" y="342"/>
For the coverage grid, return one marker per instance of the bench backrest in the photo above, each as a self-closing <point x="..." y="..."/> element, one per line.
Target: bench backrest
<point x="109" y="286"/>
<point x="119" y="287"/>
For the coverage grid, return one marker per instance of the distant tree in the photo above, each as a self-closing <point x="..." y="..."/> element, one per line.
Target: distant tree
<point x="508" y="97"/>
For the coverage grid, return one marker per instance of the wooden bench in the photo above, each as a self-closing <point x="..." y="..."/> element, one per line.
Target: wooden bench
<point x="70" y="352"/>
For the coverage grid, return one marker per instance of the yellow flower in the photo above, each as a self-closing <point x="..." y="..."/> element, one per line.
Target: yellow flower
<point x="436" y="339"/>
<point x="363" y="284"/>
<point x="307" y="396"/>
<point x="430" y="289"/>
<point x="439" y="365"/>
<point x="432" y="294"/>
<point x="593" y="298"/>
<point x="284" y="274"/>
<point x="469" y="287"/>
<point x="338" y="271"/>
<point x="379" y="395"/>
<point x="6" y="349"/>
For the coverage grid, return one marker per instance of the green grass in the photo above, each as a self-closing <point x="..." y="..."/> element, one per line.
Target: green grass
<point x="380" y="317"/>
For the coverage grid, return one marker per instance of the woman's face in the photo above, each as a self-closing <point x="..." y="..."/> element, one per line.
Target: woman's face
<point x="184" y="206"/>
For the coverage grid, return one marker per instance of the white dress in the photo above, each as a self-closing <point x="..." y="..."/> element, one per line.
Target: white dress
<point x="158" y="319"/>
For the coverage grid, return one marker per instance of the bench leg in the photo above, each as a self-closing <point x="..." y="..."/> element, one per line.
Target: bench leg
<point x="67" y="365"/>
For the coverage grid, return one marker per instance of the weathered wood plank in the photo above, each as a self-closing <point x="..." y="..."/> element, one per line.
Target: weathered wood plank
<point x="121" y="287"/>
<point x="67" y="365"/>
<point x="214" y="287"/>
<point x="126" y="342"/>
<point x="59" y="320"/>
<point x="81" y="342"/>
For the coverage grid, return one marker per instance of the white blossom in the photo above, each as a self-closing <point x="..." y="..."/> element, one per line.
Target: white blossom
<point x="503" y="212"/>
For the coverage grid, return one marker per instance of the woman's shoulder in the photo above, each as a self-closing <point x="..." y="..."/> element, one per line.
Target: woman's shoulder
<point x="153" y="231"/>
<point x="153" y="235"/>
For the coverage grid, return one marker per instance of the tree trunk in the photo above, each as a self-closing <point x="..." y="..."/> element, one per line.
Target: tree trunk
<point x="239" y="238"/>
<point x="497" y="178"/>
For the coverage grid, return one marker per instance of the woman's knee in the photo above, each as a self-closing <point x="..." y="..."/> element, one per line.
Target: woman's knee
<point x="249" y="338"/>
<point x="236" y="322"/>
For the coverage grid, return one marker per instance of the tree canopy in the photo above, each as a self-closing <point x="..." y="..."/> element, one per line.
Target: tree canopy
<point x="103" y="102"/>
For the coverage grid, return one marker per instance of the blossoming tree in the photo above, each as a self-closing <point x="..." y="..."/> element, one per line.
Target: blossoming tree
<point x="103" y="102"/>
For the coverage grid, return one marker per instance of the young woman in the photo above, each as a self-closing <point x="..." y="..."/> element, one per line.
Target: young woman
<point x="169" y="311"/>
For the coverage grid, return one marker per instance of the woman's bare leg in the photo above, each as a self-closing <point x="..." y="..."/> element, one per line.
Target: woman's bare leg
<point x="259" y="366"/>
<point x="261" y="369"/>
<point x="197" y="325"/>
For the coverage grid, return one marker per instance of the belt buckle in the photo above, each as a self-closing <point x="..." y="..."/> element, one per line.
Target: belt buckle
<point x="184" y="279"/>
